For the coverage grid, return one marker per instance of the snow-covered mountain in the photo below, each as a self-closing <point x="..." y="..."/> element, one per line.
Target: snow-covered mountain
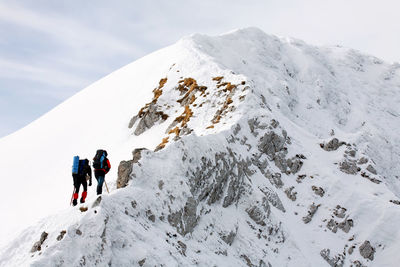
<point x="243" y="149"/>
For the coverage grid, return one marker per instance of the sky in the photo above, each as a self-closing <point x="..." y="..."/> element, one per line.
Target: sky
<point x="50" y="50"/>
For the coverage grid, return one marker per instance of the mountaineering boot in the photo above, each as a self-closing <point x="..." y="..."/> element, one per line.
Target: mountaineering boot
<point x="75" y="201"/>
<point x="84" y="194"/>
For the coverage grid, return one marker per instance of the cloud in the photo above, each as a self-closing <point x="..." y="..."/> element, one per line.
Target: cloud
<point x="66" y="31"/>
<point x="19" y="71"/>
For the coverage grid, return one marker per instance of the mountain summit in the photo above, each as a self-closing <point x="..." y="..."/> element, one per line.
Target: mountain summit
<point x="242" y="149"/>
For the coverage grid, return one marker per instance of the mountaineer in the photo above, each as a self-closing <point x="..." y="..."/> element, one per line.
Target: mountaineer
<point x="81" y="172"/>
<point x="101" y="166"/>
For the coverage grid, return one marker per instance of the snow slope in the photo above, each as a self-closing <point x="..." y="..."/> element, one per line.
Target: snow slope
<point x="239" y="176"/>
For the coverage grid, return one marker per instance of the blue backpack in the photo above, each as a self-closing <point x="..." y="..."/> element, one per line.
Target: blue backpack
<point x="75" y="165"/>
<point x="78" y="164"/>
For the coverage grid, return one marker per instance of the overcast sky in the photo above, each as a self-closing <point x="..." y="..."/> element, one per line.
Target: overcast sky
<point x="49" y="50"/>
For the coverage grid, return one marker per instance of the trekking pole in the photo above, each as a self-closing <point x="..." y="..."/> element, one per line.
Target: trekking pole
<point x="72" y="197"/>
<point x="106" y="186"/>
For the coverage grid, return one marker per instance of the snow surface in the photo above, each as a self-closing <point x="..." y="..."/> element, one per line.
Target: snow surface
<point x="309" y="90"/>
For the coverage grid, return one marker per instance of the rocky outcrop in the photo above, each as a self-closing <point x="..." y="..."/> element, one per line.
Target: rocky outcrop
<point x="186" y="219"/>
<point x="259" y="212"/>
<point x="38" y="245"/>
<point x="371" y="169"/>
<point x="334" y="261"/>
<point x="228" y="237"/>
<point x="318" y="190"/>
<point x="290" y="193"/>
<point x="125" y="168"/>
<point x="227" y="172"/>
<point x="150" y="113"/>
<point x="275" y="147"/>
<point x="311" y="212"/>
<point x="367" y="251"/>
<point x="332" y="145"/>
<point x="349" y="167"/>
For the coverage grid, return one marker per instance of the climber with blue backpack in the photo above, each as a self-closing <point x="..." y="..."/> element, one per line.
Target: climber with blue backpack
<point x="81" y="172"/>
<point x="101" y="166"/>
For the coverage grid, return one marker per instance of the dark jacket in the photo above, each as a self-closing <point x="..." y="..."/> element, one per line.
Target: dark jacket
<point x="86" y="170"/>
<point x="106" y="169"/>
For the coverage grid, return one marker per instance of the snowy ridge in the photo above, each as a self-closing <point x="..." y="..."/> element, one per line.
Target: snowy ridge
<point x="268" y="152"/>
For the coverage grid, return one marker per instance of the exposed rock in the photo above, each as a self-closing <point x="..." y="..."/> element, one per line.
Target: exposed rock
<point x="160" y="184"/>
<point x="357" y="264"/>
<point x="397" y="202"/>
<point x="372" y="179"/>
<point x="351" y="250"/>
<point x="349" y="167"/>
<point x="362" y="160"/>
<point x="300" y="156"/>
<point x="346" y="225"/>
<point x="150" y="215"/>
<point x="367" y="251"/>
<point x="137" y="154"/>
<point x="300" y="178"/>
<point x="210" y="181"/>
<point x="247" y="259"/>
<point x="258" y="214"/>
<point x="186" y="219"/>
<point x="294" y="165"/>
<point x="96" y="202"/>
<point x="182" y="247"/>
<point x="150" y="113"/>
<point x="290" y="193"/>
<point x="38" y="245"/>
<point x="148" y="118"/>
<point x="318" y="191"/>
<point x="228" y="238"/>
<point x="141" y="262"/>
<point x="78" y="232"/>
<point x="271" y="143"/>
<point x="273" y="198"/>
<point x="125" y="168"/>
<point x="336" y="261"/>
<point x="332" y="225"/>
<point x="312" y="210"/>
<point x="281" y="162"/>
<point x="254" y="124"/>
<point x="83" y="209"/>
<point x="61" y="235"/>
<point x="371" y="169"/>
<point x="276" y="180"/>
<point x="339" y="211"/>
<point x="332" y="145"/>
<point x="351" y="152"/>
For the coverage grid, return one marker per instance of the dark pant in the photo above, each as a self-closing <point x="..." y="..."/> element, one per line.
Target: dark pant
<point x="78" y="181"/>
<point x="100" y="181"/>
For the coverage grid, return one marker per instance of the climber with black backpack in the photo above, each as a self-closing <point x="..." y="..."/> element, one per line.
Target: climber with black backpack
<point x="101" y="166"/>
<point x="81" y="172"/>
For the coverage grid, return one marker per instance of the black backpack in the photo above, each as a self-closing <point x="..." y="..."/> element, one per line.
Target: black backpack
<point x="82" y="164"/>
<point x="99" y="159"/>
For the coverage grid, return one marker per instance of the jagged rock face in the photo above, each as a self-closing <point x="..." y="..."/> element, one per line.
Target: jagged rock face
<point x="185" y="220"/>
